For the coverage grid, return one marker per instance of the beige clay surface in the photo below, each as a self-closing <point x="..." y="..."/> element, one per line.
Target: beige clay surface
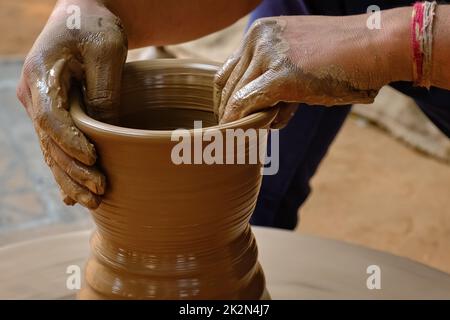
<point x="169" y="229"/>
<point x="296" y="267"/>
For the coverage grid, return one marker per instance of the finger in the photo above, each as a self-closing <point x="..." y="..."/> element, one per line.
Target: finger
<point x="88" y="177"/>
<point x="233" y="80"/>
<point x="252" y="71"/>
<point x="48" y="149"/>
<point x="285" y="112"/>
<point x="221" y="78"/>
<point x="72" y="189"/>
<point x="103" y="73"/>
<point x="51" y="115"/>
<point x="259" y="94"/>
<point x="66" y="199"/>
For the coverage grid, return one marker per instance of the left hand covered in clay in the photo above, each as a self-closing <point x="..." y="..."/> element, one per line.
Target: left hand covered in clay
<point x="93" y="56"/>
<point x="309" y="59"/>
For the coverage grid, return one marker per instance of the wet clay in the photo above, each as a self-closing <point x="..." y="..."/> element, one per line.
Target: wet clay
<point x="167" y="231"/>
<point x="66" y="54"/>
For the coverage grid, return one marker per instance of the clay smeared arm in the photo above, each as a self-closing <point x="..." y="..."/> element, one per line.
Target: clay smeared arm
<point x="322" y="60"/>
<point x="92" y="56"/>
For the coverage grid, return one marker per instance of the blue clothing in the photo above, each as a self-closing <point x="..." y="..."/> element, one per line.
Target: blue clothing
<point x="307" y="137"/>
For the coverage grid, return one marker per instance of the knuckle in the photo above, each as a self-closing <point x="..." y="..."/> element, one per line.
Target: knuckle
<point x="258" y="25"/>
<point x="261" y="26"/>
<point x="109" y="41"/>
<point x="118" y="26"/>
<point x="234" y="105"/>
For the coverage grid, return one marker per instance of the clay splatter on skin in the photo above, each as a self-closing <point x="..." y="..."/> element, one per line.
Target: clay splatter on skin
<point x="90" y="58"/>
<point x="278" y="61"/>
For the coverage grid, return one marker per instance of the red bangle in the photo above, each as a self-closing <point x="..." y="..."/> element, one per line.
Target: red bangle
<point x="416" y="31"/>
<point x="421" y="42"/>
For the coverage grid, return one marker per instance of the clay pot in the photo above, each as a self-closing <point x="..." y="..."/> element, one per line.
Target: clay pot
<point x="168" y="231"/>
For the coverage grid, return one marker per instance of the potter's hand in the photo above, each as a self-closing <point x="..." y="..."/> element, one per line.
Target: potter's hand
<point x="309" y="59"/>
<point x="93" y="54"/>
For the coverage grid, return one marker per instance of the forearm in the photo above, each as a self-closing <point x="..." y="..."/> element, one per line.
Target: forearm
<point x="166" y="22"/>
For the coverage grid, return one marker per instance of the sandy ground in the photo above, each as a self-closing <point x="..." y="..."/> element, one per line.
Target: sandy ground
<point x="375" y="191"/>
<point x="370" y="190"/>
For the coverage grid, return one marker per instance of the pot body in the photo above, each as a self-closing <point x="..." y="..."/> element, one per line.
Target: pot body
<point x="168" y="230"/>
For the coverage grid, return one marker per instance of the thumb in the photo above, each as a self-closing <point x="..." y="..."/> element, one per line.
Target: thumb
<point x="103" y="67"/>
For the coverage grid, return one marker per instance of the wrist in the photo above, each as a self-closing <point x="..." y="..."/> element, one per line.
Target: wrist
<point x="383" y="54"/>
<point x="394" y="44"/>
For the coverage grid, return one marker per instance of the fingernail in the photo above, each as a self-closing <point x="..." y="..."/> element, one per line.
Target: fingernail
<point x="88" y="200"/>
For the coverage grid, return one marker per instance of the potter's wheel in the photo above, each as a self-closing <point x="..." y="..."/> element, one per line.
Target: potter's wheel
<point x="296" y="267"/>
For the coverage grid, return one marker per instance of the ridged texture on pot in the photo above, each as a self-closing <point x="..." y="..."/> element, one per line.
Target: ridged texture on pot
<point x="167" y="231"/>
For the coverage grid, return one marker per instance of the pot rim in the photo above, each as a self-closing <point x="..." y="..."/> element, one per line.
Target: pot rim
<point x="85" y="122"/>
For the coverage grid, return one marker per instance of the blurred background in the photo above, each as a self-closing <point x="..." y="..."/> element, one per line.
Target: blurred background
<point x="384" y="183"/>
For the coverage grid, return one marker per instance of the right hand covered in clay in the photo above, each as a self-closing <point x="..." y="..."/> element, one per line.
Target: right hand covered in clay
<point x="316" y="60"/>
<point x="94" y="55"/>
